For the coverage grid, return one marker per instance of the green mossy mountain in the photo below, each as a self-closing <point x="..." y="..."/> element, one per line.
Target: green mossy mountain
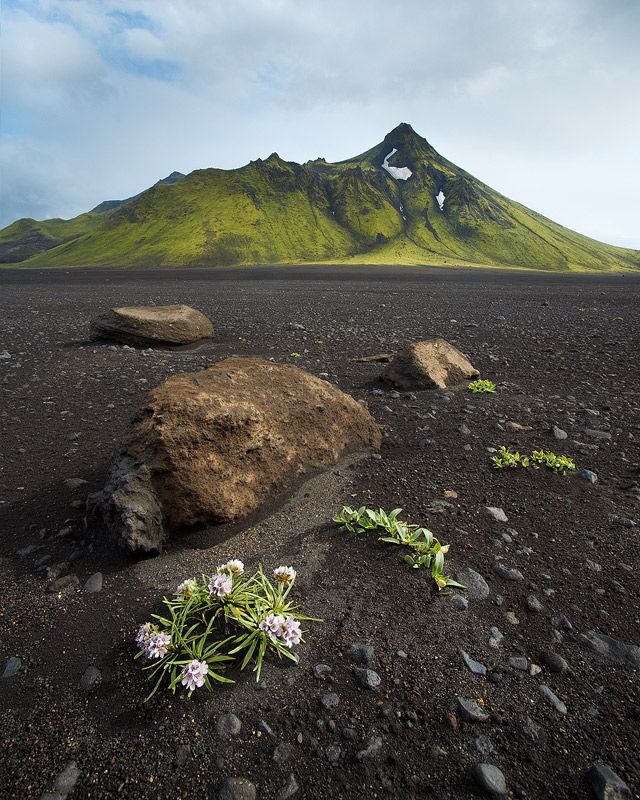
<point x="364" y="210"/>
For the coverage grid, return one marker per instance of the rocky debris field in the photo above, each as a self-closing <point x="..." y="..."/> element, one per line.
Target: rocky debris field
<point x="525" y="684"/>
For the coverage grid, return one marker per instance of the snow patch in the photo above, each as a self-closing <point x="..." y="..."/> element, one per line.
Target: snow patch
<point x="440" y="197"/>
<point x="400" y="173"/>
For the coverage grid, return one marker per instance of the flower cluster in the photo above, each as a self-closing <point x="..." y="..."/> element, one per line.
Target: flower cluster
<point x="186" y="588"/>
<point x="284" y="575"/>
<point x="277" y="627"/>
<point x="222" y="582"/>
<point x="155" y="643"/>
<point x="193" y="674"/>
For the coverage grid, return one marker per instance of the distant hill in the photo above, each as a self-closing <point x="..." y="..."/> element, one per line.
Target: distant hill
<point x="400" y="202"/>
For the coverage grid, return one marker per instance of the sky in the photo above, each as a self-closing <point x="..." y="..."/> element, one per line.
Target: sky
<point x="539" y="99"/>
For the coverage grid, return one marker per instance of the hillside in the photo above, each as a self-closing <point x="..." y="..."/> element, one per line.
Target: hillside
<point x="399" y="203"/>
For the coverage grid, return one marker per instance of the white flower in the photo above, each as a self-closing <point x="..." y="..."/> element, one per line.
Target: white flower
<point x="291" y="632"/>
<point x="233" y="567"/>
<point x="220" y="584"/>
<point x="284" y="574"/>
<point x="144" y="633"/>
<point x="157" y="644"/>
<point x="272" y="625"/>
<point x="186" y="588"/>
<point x="193" y="674"/>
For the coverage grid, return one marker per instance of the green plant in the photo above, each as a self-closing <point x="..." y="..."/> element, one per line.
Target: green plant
<point x="210" y="623"/>
<point x="507" y="460"/>
<point x="429" y="553"/>
<point x="561" y="464"/>
<point x="482" y="386"/>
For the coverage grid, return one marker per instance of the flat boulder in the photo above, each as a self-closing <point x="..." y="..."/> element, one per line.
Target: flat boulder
<point x="433" y="364"/>
<point x="212" y="446"/>
<point x="149" y="325"/>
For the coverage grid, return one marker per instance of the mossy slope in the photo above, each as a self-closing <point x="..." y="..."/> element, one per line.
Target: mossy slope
<point x="274" y="211"/>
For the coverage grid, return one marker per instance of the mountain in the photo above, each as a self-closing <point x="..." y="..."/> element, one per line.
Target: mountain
<point x="399" y="203"/>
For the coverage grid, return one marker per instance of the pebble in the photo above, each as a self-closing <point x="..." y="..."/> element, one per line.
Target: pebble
<point x="94" y="583"/>
<point x="473" y="666"/>
<point x="562" y="623"/>
<point x="367" y="678"/>
<point x="588" y="475"/>
<point x="533" y="604"/>
<point x="237" y="789"/>
<point x="321" y="671"/>
<point x="64" y="784"/>
<point x="484" y="745"/>
<point x="266" y="728"/>
<point x="228" y="725"/>
<point x="333" y="754"/>
<point x="182" y="755"/>
<point x="511" y="618"/>
<point x="90" y="678"/>
<point x="592" y="565"/>
<point x="530" y="729"/>
<point x="282" y="753"/>
<point x="475" y="585"/>
<point x="372" y="749"/>
<point x="620" y="652"/>
<point x="62" y="584"/>
<point x="595" y="434"/>
<point x="606" y="784"/>
<point x="12" y="668"/>
<point x="463" y="429"/>
<point x="490" y="779"/>
<point x="553" y="699"/>
<point x="558" y="433"/>
<point x="459" y="601"/>
<point x="497" y="513"/>
<point x="496" y="638"/>
<point x="359" y="652"/>
<point x="519" y="663"/>
<point x="507" y="574"/>
<point x="471" y="711"/>
<point x="74" y="483"/>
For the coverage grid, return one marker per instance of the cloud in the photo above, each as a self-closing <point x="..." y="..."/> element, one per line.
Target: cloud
<point x="101" y="99"/>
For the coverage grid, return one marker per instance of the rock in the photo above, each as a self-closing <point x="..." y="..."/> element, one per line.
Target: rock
<point x="558" y="433"/>
<point x="282" y="753"/>
<point x="210" y="447"/>
<point x="321" y="671"/>
<point x="237" y="789"/>
<point x="90" y="678"/>
<point x="432" y="364"/>
<point x="65" y="783"/>
<point x="471" y="711"/>
<point x="621" y="653"/>
<point x="475" y="585"/>
<point x="595" y="434"/>
<point x="372" y="749"/>
<point x="289" y="790"/>
<point x="359" y="652"/>
<point x="94" y="583"/>
<point x="484" y="745"/>
<point x="74" y="483"/>
<point x="490" y="779"/>
<point x="473" y="666"/>
<point x="182" y="755"/>
<point x="553" y="661"/>
<point x="330" y="700"/>
<point x="63" y="584"/>
<point x="533" y="604"/>
<point x="459" y="601"/>
<point x="606" y="784"/>
<point x="588" y="475"/>
<point x="228" y="725"/>
<point x="12" y="667"/>
<point x="508" y="574"/>
<point x="553" y="699"/>
<point x="497" y="513"/>
<point x="367" y="678"/>
<point x="534" y="732"/>
<point x="561" y="623"/>
<point x="145" y="325"/>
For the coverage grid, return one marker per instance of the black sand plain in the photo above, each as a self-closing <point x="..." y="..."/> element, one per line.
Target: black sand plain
<point x="563" y="350"/>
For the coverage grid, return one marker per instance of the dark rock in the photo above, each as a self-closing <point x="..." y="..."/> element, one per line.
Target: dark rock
<point x="475" y="585"/>
<point x="470" y="710"/>
<point x="553" y="661"/>
<point x="228" y="725"/>
<point x="507" y="574"/>
<point x="490" y="779"/>
<point x="359" y="652"/>
<point x="620" y="652"/>
<point x="289" y="790"/>
<point x="606" y="785"/>
<point x="237" y="789"/>
<point x="90" y="678"/>
<point x="145" y="325"/>
<point x="12" y="667"/>
<point x="433" y="364"/>
<point x="367" y="678"/>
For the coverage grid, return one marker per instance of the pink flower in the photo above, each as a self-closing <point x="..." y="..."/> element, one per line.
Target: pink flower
<point x="157" y="644"/>
<point x="144" y="633"/>
<point x="193" y="674"/>
<point x="220" y="584"/>
<point x="272" y="625"/>
<point x="284" y="574"/>
<point x="291" y="632"/>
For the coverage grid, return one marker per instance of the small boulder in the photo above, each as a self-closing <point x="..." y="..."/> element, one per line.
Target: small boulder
<point x="148" y="325"/>
<point x="212" y="446"/>
<point x="433" y="364"/>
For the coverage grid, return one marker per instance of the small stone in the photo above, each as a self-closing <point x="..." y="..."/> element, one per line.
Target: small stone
<point x="519" y="663"/>
<point x="588" y="475"/>
<point x="333" y="754"/>
<point x="496" y="638"/>
<point x="367" y="678"/>
<point x="321" y="671"/>
<point x="473" y="666"/>
<point x="533" y="604"/>
<point x="561" y="623"/>
<point x="66" y="780"/>
<point x="266" y="728"/>
<point x="553" y="699"/>
<point x="592" y="565"/>
<point x="94" y="583"/>
<point x="463" y="429"/>
<point x="460" y="602"/>
<point x="289" y="790"/>
<point x="534" y="732"/>
<point x="282" y="753"/>
<point x="228" y="725"/>
<point x="490" y="779"/>
<point x="507" y="574"/>
<point x="475" y="585"/>
<point x="620" y="652"/>
<point x="606" y="784"/>
<point x="359" y="652"/>
<point x="330" y="700"/>
<point x="471" y="711"/>
<point x="182" y="755"/>
<point x="497" y="513"/>
<point x="595" y="434"/>
<point x="511" y="618"/>
<point x="74" y="483"/>
<point x="12" y="668"/>
<point x="90" y="678"/>
<point x="534" y="670"/>
<point x="372" y="749"/>
<point x="65" y="583"/>
<point x="558" y="432"/>
<point x="237" y="789"/>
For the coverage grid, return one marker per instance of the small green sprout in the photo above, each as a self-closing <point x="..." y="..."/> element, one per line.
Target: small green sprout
<point x="505" y="459"/>
<point x="295" y="355"/>
<point x="482" y="386"/>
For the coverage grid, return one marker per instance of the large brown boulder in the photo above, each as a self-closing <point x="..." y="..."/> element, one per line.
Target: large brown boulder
<point x="434" y="364"/>
<point x="147" y="325"/>
<point x="211" y="446"/>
